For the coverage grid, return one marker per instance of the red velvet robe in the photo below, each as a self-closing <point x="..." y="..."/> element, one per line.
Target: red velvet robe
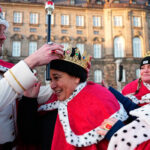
<point x="86" y="111"/>
<point x="6" y="64"/>
<point x="131" y="88"/>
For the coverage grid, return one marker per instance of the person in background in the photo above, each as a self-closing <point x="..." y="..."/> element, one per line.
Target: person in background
<point x="16" y="79"/>
<point x="139" y="90"/>
<point x="82" y="106"/>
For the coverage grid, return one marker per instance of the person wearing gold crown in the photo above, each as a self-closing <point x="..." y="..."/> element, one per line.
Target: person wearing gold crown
<point x="82" y="106"/>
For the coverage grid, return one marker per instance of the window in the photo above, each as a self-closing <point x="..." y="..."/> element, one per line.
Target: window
<point x="33" y="30"/>
<point x="97" y="50"/>
<point x="96" y="21"/>
<point x="124" y="76"/>
<point x="148" y="22"/>
<point x="66" y="45"/>
<point x="16" y="49"/>
<point x="138" y="73"/>
<point x="80" y="47"/>
<point x="97" y="76"/>
<point x="98" y="2"/>
<point x="133" y="1"/>
<point x="65" y="20"/>
<point x="72" y="2"/>
<point x="80" y="21"/>
<point x="96" y="32"/>
<point x="52" y="19"/>
<point x="79" y="32"/>
<point x="64" y="31"/>
<point x="118" y="47"/>
<point x="137" y="48"/>
<point x="16" y="29"/>
<point x="4" y="15"/>
<point x="118" y="21"/>
<point x="116" y="1"/>
<point x="136" y="21"/>
<point x="17" y="17"/>
<point x="32" y="47"/>
<point x="33" y="18"/>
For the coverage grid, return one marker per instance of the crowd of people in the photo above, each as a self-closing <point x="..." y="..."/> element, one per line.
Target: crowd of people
<point x="71" y="113"/>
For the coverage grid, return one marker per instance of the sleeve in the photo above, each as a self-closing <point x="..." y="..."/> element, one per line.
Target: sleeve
<point x="7" y="94"/>
<point x="27" y="120"/>
<point x="131" y="135"/>
<point x="119" y="124"/>
<point x="127" y="103"/>
<point x="15" y="81"/>
<point x="44" y="94"/>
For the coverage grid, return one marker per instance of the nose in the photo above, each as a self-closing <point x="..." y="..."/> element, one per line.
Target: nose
<point x="146" y="69"/>
<point x="53" y="84"/>
<point x="2" y="36"/>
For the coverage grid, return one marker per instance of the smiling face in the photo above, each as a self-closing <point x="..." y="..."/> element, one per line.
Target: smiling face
<point x="145" y="73"/>
<point x="63" y="84"/>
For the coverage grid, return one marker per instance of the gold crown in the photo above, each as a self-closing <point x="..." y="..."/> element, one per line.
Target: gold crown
<point x="73" y="55"/>
<point x="147" y="53"/>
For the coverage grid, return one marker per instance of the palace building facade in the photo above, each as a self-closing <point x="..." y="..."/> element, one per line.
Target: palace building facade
<point x="115" y="32"/>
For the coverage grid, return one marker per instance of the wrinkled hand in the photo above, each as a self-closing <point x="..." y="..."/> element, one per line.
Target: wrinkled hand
<point x="107" y="122"/>
<point x="44" y="55"/>
<point x="34" y="91"/>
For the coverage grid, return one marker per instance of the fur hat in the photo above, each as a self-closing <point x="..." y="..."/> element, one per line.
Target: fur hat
<point x="2" y="20"/>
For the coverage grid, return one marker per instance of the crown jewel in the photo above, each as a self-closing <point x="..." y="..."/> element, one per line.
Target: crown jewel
<point x="73" y="55"/>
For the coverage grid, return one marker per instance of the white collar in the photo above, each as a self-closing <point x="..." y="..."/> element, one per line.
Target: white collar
<point x="147" y="85"/>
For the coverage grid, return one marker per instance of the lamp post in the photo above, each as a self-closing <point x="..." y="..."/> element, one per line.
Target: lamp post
<point x="49" y="7"/>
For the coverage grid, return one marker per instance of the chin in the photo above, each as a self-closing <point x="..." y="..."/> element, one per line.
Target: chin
<point x="146" y="80"/>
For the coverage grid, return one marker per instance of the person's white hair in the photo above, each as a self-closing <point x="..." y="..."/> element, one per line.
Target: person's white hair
<point x="2" y="20"/>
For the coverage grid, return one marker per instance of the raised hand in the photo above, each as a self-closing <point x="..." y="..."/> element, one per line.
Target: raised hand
<point x="34" y="91"/>
<point x="44" y="55"/>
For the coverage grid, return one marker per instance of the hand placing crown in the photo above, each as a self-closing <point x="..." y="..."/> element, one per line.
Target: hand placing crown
<point x="73" y="55"/>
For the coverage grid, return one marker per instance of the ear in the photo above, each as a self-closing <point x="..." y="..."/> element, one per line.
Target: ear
<point x="77" y="80"/>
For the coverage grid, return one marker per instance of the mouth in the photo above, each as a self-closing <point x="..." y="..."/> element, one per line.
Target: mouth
<point x="58" y="92"/>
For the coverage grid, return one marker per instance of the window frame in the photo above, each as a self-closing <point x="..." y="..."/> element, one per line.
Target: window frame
<point x="32" y="47"/>
<point x="17" y="17"/>
<point x="80" y="21"/>
<point x="34" y="18"/>
<point x="98" y="76"/>
<point x="117" y="44"/>
<point x="64" y="20"/>
<point x="97" y="48"/>
<point x="16" y="49"/>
